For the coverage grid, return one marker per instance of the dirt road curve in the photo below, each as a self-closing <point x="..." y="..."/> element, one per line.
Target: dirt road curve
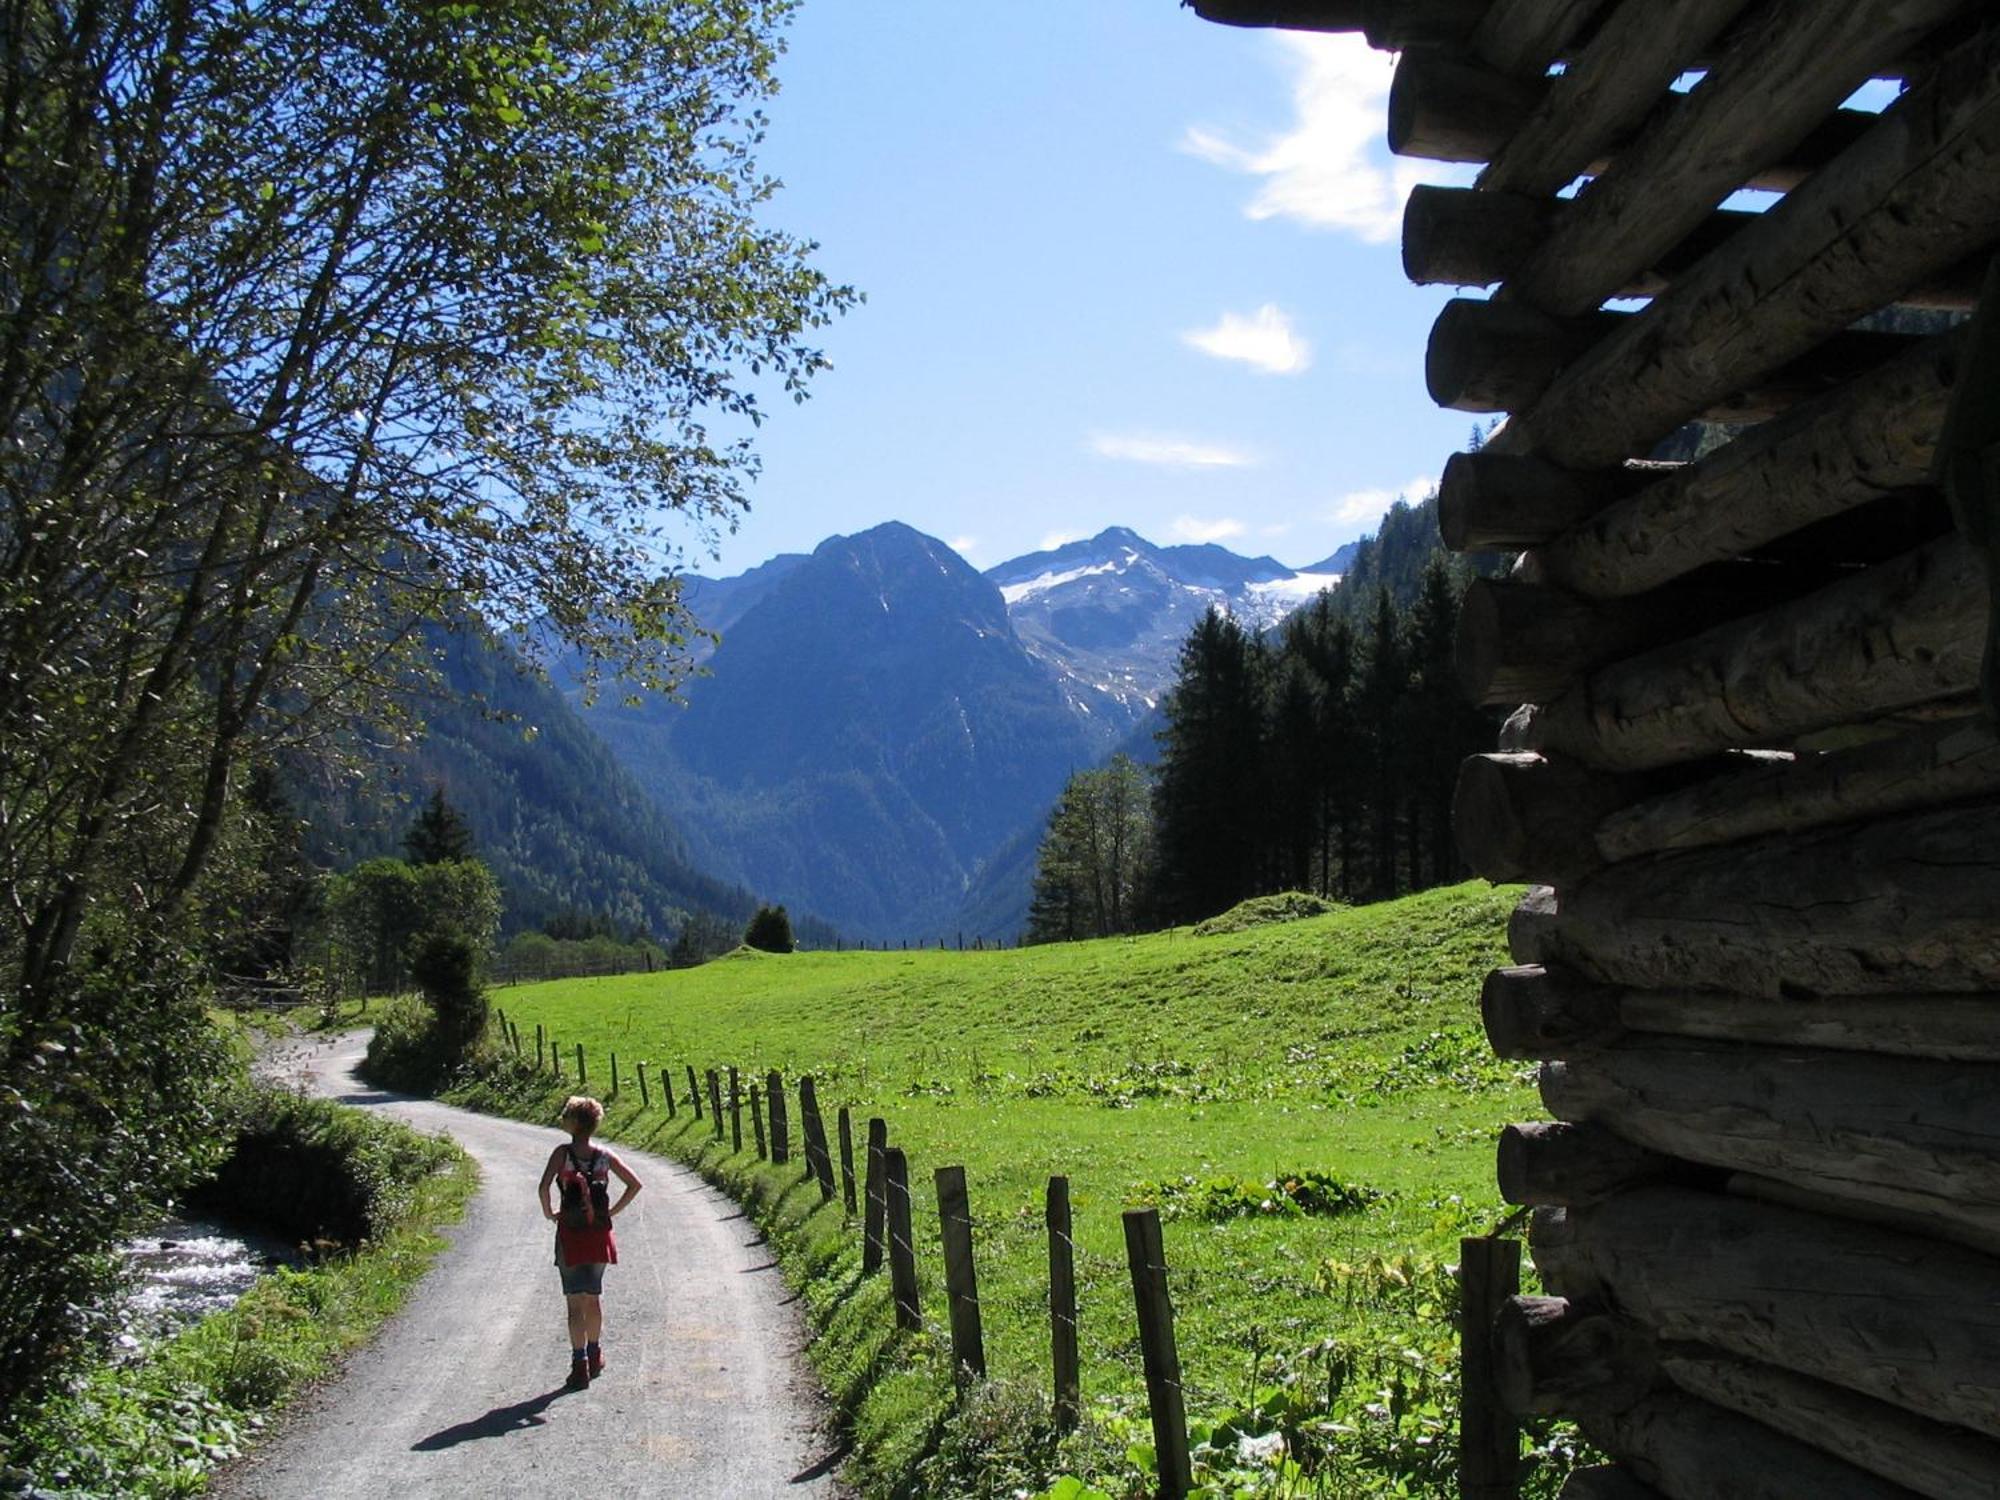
<point x="461" y="1394"/>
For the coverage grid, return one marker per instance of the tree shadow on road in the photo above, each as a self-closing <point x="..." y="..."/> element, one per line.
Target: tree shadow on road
<point x="496" y="1423"/>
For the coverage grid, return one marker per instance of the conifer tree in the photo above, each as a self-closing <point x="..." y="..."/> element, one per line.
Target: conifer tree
<point x="440" y="833"/>
<point x="1384" y="680"/>
<point x="1206" y="799"/>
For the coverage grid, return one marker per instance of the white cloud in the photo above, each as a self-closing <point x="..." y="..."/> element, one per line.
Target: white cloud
<point x="1179" y="453"/>
<point x="1265" y="339"/>
<point x="1365" y="507"/>
<point x="964" y="546"/>
<point x="1331" y="168"/>
<point x="1057" y="539"/>
<point x="1194" y="529"/>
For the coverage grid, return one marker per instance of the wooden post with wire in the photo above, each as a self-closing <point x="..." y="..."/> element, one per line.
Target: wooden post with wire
<point x="774" y="1100"/>
<point x="614" y="1075"/>
<point x="645" y="1096"/>
<point x="1489" y="1436"/>
<point x="1146" y="1256"/>
<point x="961" y="1284"/>
<point x="902" y="1249"/>
<point x="735" y="1110"/>
<point x="538" y="1046"/>
<point x="846" y="1162"/>
<point x="581" y="1080"/>
<point x="1062" y="1309"/>
<point x="819" y="1159"/>
<point x="715" y="1103"/>
<point x="873" y="1197"/>
<point x="757" y="1120"/>
<point x="694" y="1091"/>
<point x="667" y="1087"/>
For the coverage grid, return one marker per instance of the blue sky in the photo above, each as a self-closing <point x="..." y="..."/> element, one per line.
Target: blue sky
<point x="1123" y="267"/>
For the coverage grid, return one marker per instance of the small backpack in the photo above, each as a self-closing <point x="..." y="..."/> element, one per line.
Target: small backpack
<point x="586" y="1192"/>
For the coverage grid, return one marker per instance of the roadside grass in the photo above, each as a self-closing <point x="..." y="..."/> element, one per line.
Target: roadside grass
<point x="158" y="1424"/>
<point x="1340" y="1054"/>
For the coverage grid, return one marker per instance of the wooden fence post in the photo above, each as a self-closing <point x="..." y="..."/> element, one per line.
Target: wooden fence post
<point x="902" y="1251"/>
<point x="614" y="1075"/>
<point x="1146" y="1257"/>
<point x="875" y="1197"/>
<point x="1489" y="1436"/>
<point x="667" y="1087"/>
<point x="846" y="1162"/>
<point x="715" y="1103"/>
<point x="774" y="1100"/>
<point x="757" y="1119"/>
<point x="538" y="1046"/>
<point x="961" y="1285"/>
<point x="1062" y="1309"/>
<point x="645" y="1097"/>
<point x="581" y="1080"/>
<point x="555" y="1055"/>
<point x="694" y="1091"/>
<point x="805" y="1130"/>
<point x="818" y="1157"/>
<point x="735" y="1110"/>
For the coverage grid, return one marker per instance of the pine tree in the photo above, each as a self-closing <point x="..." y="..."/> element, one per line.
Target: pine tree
<point x="440" y="833"/>
<point x="1207" y="804"/>
<point x="1384" y="681"/>
<point x="1445" y="729"/>
<point x="770" y="930"/>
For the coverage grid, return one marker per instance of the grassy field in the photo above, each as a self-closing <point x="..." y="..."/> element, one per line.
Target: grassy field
<point x="1198" y="1073"/>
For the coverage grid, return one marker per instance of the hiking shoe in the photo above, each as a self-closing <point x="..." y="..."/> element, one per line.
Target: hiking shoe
<point x="596" y="1364"/>
<point x="579" y="1377"/>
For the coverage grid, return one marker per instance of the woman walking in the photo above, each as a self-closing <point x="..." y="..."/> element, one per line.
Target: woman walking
<point x="583" y="1212"/>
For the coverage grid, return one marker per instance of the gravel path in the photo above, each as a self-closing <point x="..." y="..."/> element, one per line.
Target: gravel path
<point x="461" y="1393"/>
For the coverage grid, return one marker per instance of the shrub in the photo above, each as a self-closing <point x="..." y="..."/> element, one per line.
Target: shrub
<point x="308" y="1169"/>
<point x="771" y="930"/>
<point x="1261" y="911"/>
<point x="445" y="965"/>
<point x="406" y="1053"/>
<point x="108" y="1098"/>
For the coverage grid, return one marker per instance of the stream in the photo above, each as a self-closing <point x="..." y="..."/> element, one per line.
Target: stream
<point x="185" y="1269"/>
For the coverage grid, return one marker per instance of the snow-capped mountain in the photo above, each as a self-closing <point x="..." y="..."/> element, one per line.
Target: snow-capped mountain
<point x="881" y="722"/>
<point x="1108" y="615"/>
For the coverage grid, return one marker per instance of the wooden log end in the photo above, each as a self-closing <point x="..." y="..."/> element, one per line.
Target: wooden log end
<point x="1518" y="816"/>
<point x="1462" y="237"/>
<point x="1532" y="1014"/>
<point x="1499" y="356"/>
<point x="1530" y="926"/>
<point x="1445" y="109"/>
<point x="1552" y="1356"/>
<point x="1490" y="501"/>
<point x="1551" y="1163"/>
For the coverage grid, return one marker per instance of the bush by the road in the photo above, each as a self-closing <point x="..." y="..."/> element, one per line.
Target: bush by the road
<point x="155" y="1426"/>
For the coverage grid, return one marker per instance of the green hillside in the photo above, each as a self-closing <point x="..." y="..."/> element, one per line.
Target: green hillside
<point x="1189" y="1071"/>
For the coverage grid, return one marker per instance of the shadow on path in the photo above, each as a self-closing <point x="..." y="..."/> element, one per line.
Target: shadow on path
<point x="496" y="1423"/>
<point x="824" y="1466"/>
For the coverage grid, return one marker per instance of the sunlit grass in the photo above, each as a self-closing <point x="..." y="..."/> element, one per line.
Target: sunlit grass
<point x="1346" y="1045"/>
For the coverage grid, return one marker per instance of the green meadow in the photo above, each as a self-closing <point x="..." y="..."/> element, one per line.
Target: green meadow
<point x="1310" y="1104"/>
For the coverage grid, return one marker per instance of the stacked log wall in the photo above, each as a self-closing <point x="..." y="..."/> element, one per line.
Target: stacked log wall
<point x="1748" y="773"/>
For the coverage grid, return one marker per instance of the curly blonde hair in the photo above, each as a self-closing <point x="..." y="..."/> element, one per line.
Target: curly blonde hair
<point x="583" y="1109"/>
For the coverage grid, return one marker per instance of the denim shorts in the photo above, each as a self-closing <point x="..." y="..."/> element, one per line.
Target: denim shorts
<point x="587" y="1278"/>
